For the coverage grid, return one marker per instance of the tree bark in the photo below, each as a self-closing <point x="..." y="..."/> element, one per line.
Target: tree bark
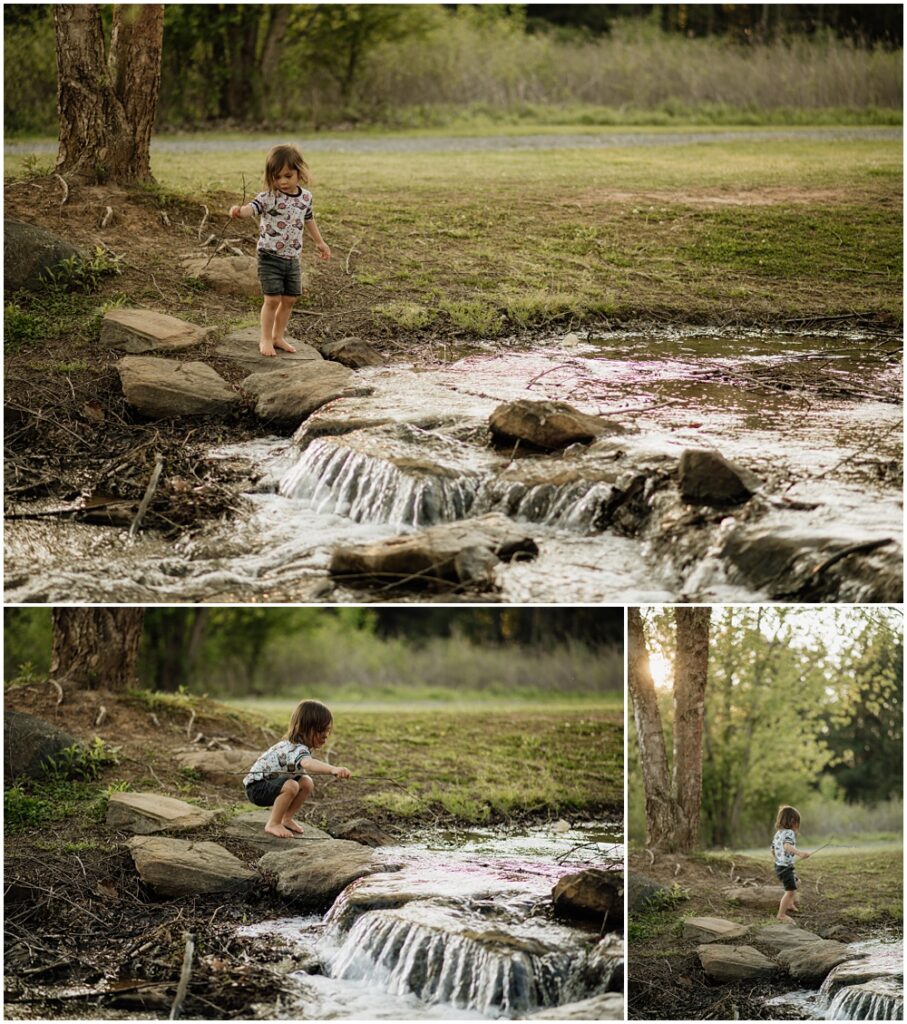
<point x="106" y="104"/>
<point x="691" y="667"/>
<point x="96" y="648"/>
<point x="650" y="737"/>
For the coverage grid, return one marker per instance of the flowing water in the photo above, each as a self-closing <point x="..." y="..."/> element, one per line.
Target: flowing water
<point x="816" y="417"/>
<point x="462" y="931"/>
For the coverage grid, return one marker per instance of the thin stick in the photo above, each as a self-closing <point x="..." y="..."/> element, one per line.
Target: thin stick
<point x="183" y="986"/>
<point x="853" y="549"/>
<point x="62" y="181"/>
<point x="149" y="494"/>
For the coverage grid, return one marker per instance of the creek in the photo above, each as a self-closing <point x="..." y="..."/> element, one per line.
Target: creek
<point x="817" y="417"/>
<point x="463" y="930"/>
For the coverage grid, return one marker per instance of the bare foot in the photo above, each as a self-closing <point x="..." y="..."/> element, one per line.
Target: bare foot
<point x="279" y="831"/>
<point x="266" y="348"/>
<point x="786" y="920"/>
<point x="283" y="345"/>
<point x="293" y="826"/>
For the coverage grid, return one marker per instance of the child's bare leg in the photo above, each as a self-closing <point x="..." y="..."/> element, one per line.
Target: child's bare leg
<point x="786" y="902"/>
<point x="285" y="798"/>
<point x="281" y="319"/>
<point x="306" y="787"/>
<point x="269" y="309"/>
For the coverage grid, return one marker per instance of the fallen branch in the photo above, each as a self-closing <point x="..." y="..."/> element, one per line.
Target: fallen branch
<point x="149" y="494"/>
<point x="185" y="974"/>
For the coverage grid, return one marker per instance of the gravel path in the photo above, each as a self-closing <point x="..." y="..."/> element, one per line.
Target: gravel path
<point x="451" y="143"/>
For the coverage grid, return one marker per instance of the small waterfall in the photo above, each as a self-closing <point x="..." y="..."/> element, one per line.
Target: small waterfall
<point x="876" y="1000"/>
<point x="573" y="505"/>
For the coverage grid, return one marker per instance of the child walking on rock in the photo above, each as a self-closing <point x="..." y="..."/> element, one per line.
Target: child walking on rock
<point x="285" y="215"/>
<point x="784" y="847"/>
<point x="278" y="780"/>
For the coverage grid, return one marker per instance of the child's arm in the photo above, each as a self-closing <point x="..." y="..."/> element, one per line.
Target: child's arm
<point x="790" y="848"/>
<point x="312" y="764"/>
<point x="242" y="211"/>
<point x="311" y="229"/>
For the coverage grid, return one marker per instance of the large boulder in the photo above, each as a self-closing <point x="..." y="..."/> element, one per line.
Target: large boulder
<point x="707" y="478"/>
<point x="352" y="352"/>
<point x="177" y="867"/>
<point x="241" y="347"/>
<point x="609" y="1006"/>
<point x="734" y="963"/>
<point x="785" y="936"/>
<point x="144" y="330"/>
<point x="757" y="897"/>
<point x="712" y="929"/>
<point x="31" y="254"/>
<point x="811" y="962"/>
<point x="225" y="767"/>
<point x="146" y="813"/>
<point x="588" y="894"/>
<point x="29" y="745"/>
<point x="288" y="395"/>
<point x="315" y="877"/>
<point x="547" y="425"/>
<point x="161" y="389"/>
<point x="226" y="275"/>
<point x="459" y="552"/>
<point x="250" y="828"/>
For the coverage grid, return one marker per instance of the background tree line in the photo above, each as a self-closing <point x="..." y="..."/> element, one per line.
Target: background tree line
<point x="320" y="65"/>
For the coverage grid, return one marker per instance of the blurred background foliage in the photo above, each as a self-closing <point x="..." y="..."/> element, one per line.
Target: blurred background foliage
<point x="321" y="66"/>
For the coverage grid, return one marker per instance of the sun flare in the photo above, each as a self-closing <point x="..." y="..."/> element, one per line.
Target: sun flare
<point x="662" y="671"/>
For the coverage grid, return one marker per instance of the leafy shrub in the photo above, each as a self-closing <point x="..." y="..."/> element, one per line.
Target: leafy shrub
<point x="83" y="762"/>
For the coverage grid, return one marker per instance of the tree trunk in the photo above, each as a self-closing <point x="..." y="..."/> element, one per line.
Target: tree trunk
<point x="107" y="105"/>
<point x="691" y="666"/>
<point x="652" y="755"/>
<point x="96" y="648"/>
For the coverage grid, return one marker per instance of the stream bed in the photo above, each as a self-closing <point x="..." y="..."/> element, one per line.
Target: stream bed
<point x="816" y="417"/>
<point x="462" y="931"/>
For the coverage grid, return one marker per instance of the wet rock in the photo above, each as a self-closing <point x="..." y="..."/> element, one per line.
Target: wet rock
<point x="609" y="1006"/>
<point x="177" y="867"/>
<point x="707" y="478"/>
<point x="588" y="895"/>
<point x="352" y="352"/>
<point x="29" y="745"/>
<point x="733" y="963"/>
<point x="315" y="877"/>
<point x="882" y="999"/>
<point x="288" y="395"/>
<point x="250" y="828"/>
<point x="146" y="813"/>
<point x="712" y="929"/>
<point x="30" y="254"/>
<point x="549" y="425"/>
<point x="226" y="275"/>
<point x="221" y="766"/>
<point x="759" y="897"/>
<point x="642" y="892"/>
<point x="241" y="348"/>
<point x="144" y="330"/>
<point x="436" y="553"/>
<point x="161" y="389"/>
<point x="363" y="831"/>
<point x="785" y="936"/>
<point x="810" y="963"/>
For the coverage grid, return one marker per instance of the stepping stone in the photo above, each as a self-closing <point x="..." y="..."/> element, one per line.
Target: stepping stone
<point x="225" y="767"/>
<point x="548" y="425"/>
<point x="712" y="929"/>
<point x="733" y="963"/>
<point x="241" y="348"/>
<point x="161" y="388"/>
<point x="250" y="828"/>
<point x="176" y="867"/>
<point x="314" y="874"/>
<point x="758" y="897"/>
<point x="811" y="962"/>
<point x="707" y="478"/>
<point x="144" y="813"/>
<point x="785" y="936"/>
<point x="352" y="352"/>
<point x="361" y="830"/>
<point x="145" y="330"/>
<point x="226" y="275"/>
<point x="289" y="395"/>
<point x="588" y="894"/>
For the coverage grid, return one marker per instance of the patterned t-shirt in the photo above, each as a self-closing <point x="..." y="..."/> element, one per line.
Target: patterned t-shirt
<point x="281" y="221"/>
<point x="283" y="757"/>
<point x="782" y="836"/>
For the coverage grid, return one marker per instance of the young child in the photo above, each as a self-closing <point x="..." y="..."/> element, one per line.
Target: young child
<point x="276" y="780"/>
<point x="285" y="213"/>
<point x="784" y="847"/>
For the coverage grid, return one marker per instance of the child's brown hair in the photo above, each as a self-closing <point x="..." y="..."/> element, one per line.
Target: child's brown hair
<point x="310" y="723"/>
<point x="285" y="156"/>
<point x="788" y="817"/>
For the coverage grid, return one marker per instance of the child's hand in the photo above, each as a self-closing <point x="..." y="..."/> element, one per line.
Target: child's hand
<point x="235" y="211"/>
<point x="342" y="773"/>
<point x="324" y="250"/>
<point x="804" y="854"/>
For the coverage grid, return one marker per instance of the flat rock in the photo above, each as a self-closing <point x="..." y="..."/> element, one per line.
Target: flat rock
<point x="785" y="936"/>
<point x="733" y="963"/>
<point x="177" y="867"/>
<point x="549" y="425"/>
<point x="225" y="767"/>
<point x="29" y="745"/>
<point x="146" y="813"/>
<point x="241" y="347"/>
<point x="161" y="388"/>
<point x="31" y="254"/>
<point x="226" y="275"/>
<point x="457" y="552"/>
<point x="352" y="352"/>
<point x="609" y="1006"/>
<point x="145" y="330"/>
<point x="361" y="830"/>
<point x="712" y="929"/>
<point x="314" y="874"/>
<point x="288" y="395"/>
<point x="811" y="962"/>
<point x="759" y="897"/>
<point x="250" y="828"/>
<point x="589" y="894"/>
<point x="707" y="478"/>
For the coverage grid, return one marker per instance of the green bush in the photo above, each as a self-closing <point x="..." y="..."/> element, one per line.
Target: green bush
<point x="21" y="810"/>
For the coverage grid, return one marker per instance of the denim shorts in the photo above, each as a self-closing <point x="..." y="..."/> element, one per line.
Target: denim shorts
<point x="263" y="792"/>
<point x="279" y="275"/>
<point x="787" y="876"/>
